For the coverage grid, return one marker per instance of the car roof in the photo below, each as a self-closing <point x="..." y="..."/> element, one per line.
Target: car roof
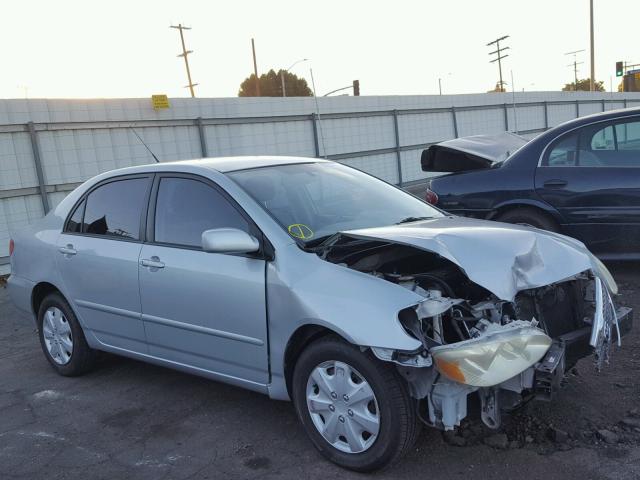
<point x="220" y="164"/>
<point x="609" y="114"/>
<point x="230" y="164"/>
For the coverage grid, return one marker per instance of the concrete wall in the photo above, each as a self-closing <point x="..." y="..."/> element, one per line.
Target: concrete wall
<point x="77" y="139"/>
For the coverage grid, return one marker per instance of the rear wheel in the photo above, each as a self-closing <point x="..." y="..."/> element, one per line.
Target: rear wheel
<point x="62" y="338"/>
<point x="356" y="409"/>
<point x="529" y="217"/>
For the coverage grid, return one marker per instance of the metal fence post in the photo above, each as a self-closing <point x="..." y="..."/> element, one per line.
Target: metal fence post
<point x="455" y="121"/>
<point x="603" y="105"/>
<point x="316" y="144"/>
<point x="506" y="118"/>
<point x="398" y="156"/>
<point x="203" y="138"/>
<point x="38" y="164"/>
<point x="577" y="108"/>
<point x="546" y="115"/>
<point x="624" y="103"/>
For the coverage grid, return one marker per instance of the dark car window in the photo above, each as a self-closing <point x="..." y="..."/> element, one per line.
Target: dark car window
<point x="74" y="224"/>
<point x="628" y="136"/>
<point x="114" y="209"/>
<point x="185" y="208"/>
<point x="604" y="139"/>
<point x="563" y="154"/>
<point x="610" y="145"/>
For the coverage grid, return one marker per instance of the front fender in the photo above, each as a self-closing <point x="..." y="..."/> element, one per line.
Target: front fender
<point x="303" y="289"/>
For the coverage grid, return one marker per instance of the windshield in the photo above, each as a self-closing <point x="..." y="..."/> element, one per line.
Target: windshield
<point x="315" y="200"/>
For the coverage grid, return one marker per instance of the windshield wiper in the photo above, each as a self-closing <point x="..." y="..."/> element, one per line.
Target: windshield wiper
<point x="412" y="219"/>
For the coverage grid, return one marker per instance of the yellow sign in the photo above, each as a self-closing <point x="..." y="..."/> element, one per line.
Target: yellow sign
<point x="300" y="230"/>
<point x="160" y="101"/>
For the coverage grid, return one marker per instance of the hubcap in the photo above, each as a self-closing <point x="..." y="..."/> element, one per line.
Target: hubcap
<point x="57" y="335"/>
<point x="343" y="407"/>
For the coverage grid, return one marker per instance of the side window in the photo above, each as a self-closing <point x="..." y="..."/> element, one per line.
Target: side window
<point x="603" y="139"/>
<point x="564" y="153"/>
<point x="185" y="208"/>
<point x="74" y="224"/>
<point x="114" y="209"/>
<point x="628" y="136"/>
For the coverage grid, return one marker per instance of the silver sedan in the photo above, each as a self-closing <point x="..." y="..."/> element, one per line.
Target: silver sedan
<point x="311" y="281"/>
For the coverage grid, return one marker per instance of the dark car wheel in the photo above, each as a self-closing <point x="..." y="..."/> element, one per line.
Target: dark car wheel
<point x="62" y="338"/>
<point x="529" y="217"/>
<point x="356" y="409"/>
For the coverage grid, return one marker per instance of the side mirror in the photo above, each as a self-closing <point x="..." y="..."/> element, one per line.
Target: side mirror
<point x="229" y="240"/>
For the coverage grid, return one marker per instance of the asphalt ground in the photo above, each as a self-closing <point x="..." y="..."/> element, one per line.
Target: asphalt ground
<point x="131" y="420"/>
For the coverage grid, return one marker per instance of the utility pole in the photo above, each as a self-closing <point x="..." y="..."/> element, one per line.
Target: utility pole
<point x="499" y="57"/>
<point x="255" y="68"/>
<point x="185" y="54"/>
<point x="593" y="64"/>
<point x="575" y="67"/>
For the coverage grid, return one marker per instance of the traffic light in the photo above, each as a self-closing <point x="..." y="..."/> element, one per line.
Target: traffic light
<point x="356" y="88"/>
<point x="619" y="69"/>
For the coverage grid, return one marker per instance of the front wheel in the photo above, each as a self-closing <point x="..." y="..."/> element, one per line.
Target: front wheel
<point x="356" y="409"/>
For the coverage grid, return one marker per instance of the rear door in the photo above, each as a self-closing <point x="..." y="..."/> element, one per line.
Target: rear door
<point x="98" y="260"/>
<point x="592" y="177"/>
<point x="204" y="310"/>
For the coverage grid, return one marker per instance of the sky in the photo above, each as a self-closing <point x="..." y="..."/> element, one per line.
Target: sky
<point x="116" y="48"/>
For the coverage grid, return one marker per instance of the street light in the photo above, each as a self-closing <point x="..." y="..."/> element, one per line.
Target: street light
<point x="282" y="72"/>
<point x="440" y="83"/>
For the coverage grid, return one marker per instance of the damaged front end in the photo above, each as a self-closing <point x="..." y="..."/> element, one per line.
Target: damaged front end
<point x="506" y="351"/>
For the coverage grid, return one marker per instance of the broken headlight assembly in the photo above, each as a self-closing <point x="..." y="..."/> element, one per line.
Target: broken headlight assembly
<point x="499" y="354"/>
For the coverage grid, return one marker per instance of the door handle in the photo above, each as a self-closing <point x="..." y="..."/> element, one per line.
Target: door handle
<point x="153" y="262"/>
<point x="555" y="183"/>
<point x="68" y="250"/>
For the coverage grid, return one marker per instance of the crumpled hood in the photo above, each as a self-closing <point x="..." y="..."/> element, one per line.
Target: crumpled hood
<point x="500" y="257"/>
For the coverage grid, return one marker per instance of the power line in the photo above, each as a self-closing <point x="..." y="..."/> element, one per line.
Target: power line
<point x="499" y="57"/>
<point x="185" y="54"/>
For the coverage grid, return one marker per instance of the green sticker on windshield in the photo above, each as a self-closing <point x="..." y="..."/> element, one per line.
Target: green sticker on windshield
<point x="300" y="230"/>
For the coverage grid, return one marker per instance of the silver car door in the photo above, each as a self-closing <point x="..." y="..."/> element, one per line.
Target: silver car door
<point x="97" y="257"/>
<point x="203" y="310"/>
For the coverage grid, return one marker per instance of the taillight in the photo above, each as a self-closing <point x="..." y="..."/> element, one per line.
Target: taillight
<point x="431" y="197"/>
<point x="11" y="246"/>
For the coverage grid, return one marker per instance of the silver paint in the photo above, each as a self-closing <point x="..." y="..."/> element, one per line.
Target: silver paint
<point x="230" y="317"/>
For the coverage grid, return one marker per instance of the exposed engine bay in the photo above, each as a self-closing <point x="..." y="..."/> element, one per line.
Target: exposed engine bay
<point x="474" y="342"/>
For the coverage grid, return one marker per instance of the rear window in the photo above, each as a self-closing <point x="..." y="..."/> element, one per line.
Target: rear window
<point x="115" y="209"/>
<point x="74" y="224"/>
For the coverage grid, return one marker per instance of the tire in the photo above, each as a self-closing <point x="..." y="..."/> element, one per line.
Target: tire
<point x="58" y="328"/>
<point x="392" y="406"/>
<point x="529" y="216"/>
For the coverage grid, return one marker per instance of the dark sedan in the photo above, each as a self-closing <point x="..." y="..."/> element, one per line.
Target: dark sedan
<point x="581" y="178"/>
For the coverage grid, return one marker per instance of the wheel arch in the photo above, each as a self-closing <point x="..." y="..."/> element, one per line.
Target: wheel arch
<point x="301" y="338"/>
<point x="539" y="206"/>
<point x="39" y="292"/>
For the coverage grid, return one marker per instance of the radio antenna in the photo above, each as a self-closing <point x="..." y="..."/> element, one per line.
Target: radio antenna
<point x="145" y="145"/>
<point x="315" y="97"/>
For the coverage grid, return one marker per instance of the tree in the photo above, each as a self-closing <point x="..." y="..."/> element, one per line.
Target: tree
<point x="583" y="86"/>
<point x="497" y="89"/>
<point x="271" y="85"/>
